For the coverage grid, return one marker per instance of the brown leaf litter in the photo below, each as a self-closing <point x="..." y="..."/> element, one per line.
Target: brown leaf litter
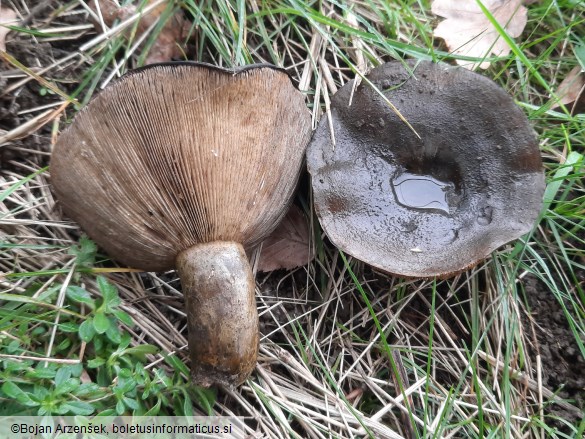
<point x="167" y="43"/>
<point x="468" y="32"/>
<point x="572" y="89"/>
<point x="7" y="17"/>
<point x="289" y="244"/>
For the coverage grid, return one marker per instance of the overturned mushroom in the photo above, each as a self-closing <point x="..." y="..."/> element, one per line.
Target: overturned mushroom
<point x="182" y="165"/>
<point x="431" y="205"/>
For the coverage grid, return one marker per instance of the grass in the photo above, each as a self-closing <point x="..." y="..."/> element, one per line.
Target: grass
<point x="345" y="351"/>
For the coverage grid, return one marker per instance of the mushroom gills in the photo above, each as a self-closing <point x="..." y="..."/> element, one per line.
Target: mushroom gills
<point x="182" y="165"/>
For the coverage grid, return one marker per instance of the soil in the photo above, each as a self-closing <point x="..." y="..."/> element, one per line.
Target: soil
<point x="563" y="366"/>
<point x="26" y="97"/>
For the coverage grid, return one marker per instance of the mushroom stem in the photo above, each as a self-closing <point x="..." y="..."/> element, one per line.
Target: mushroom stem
<point x="218" y="286"/>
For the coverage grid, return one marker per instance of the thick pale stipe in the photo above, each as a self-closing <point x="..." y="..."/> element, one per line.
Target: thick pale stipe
<point x="218" y="287"/>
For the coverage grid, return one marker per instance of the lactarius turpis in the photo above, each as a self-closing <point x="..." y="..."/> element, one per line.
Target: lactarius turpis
<point x="183" y="165"/>
<point x="434" y="196"/>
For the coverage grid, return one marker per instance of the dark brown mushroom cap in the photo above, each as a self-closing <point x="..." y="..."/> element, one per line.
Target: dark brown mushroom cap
<point x="428" y="206"/>
<point x="179" y="154"/>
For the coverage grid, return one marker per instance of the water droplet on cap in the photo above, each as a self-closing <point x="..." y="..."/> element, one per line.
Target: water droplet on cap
<point x="421" y="192"/>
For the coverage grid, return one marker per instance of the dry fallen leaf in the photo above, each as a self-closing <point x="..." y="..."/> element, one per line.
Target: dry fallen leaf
<point x="467" y="31"/>
<point x="289" y="245"/>
<point x="166" y="46"/>
<point x="7" y="17"/>
<point x="572" y="88"/>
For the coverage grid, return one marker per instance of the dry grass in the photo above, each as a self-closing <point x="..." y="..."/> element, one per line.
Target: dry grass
<point x="345" y="351"/>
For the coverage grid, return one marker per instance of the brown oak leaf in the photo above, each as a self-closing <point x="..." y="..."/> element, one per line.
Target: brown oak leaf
<point x="289" y="245"/>
<point x="572" y="88"/>
<point x="468" y="32"/>
<point x="7" y="17"/>
<point x="166" y="46"/>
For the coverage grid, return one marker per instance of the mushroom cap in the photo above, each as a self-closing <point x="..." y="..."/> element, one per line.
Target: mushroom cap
<point x="178" y="154"/>
<point x="428" y="206"/>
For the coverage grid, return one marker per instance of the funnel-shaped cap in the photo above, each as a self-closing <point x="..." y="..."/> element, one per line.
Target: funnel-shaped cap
<point x="431" y="205"/>
<point x="178" y="154"/>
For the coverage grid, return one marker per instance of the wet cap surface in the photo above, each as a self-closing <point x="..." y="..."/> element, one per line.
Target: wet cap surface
<point x="434" y="205"/>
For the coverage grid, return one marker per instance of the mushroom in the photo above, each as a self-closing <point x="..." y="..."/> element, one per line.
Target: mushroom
<point x="183" y="165"/>
<point x="434" y="197"/>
